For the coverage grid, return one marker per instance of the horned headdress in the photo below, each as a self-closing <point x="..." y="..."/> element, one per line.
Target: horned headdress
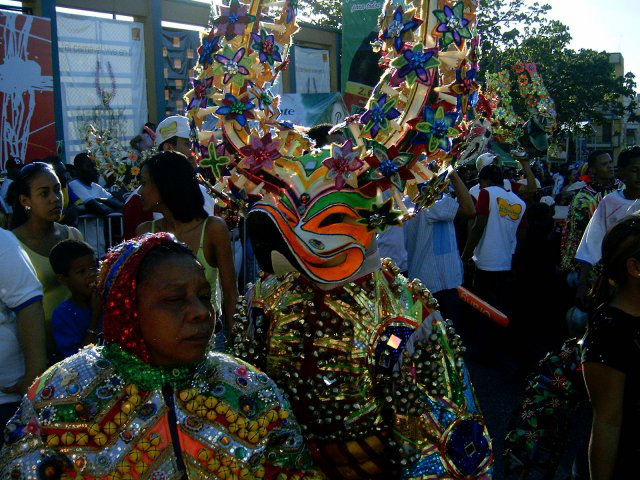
<point x="324" y="206"/>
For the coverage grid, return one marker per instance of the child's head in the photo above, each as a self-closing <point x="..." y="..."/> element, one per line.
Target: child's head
<point x="74" y="263"/>
<point x="629" y="170"/>
<point x="620" y="257"/>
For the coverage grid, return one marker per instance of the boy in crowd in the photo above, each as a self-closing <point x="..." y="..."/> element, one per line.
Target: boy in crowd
<point x="76" y="322"/>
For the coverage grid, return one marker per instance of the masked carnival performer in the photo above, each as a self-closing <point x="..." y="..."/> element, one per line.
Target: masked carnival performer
<point x="373" y="371"/>
<point x="150" y="404"/>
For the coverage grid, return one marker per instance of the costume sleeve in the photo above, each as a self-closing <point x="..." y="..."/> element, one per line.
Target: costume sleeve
<point x="429" y="385"/>
<point x="482" y="207"/>
<point x="66" y="335"/>
<point x="605" y="342"/>
<point x="590" y="247"/>
<point x="21" y="288"/>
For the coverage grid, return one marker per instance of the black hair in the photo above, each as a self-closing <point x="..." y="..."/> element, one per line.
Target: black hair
<point x="22" y="186"/>
<point x="628" y="154"/>
<point x="150" y="125"/>
<point x="320" y="134"/>
<point x="65" y="252"/>
<point x="593" y="156"/>
<point x="173" y="141"/>
<point x="161" y="252"/>
<point x="80" y="158"/>
<point x="492" y="173"/>
<point x="175" y="178"/>
<point x="59" y="167"/>
<point x="135" y="142"/>
<point x="619" y="244"/>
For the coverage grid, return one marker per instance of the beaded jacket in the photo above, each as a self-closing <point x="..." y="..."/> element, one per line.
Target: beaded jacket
<point x="374" y="373"/>
<point x="104" y="414"/>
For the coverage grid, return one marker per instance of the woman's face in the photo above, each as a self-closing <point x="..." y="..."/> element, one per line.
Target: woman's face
<point x="174" y="304"/>
<point x="148" y="191"/>
<point x="45" y="197"/>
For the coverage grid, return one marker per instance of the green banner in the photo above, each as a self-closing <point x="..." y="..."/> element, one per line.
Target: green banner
<point x="360" y="71"/>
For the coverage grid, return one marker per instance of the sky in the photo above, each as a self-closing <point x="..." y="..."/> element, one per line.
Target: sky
<point x="611" y="25"/>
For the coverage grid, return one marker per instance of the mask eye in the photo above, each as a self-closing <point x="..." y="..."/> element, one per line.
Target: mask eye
<point x="332" y="219"/>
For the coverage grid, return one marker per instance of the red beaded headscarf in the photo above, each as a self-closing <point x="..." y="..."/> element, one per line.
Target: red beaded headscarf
<point x="117" y="284"/>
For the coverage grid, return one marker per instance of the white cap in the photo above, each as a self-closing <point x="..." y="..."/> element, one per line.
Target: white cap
<point x="548" y="200"/>
<point x="173" y="126"/>
<point x="484" y="160"/>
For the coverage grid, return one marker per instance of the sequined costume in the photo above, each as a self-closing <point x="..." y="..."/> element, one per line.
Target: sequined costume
<point x="97" y="415"/>
<point x="582" y="207"/>
<point x="107" y="413"/>
<point x="374" y="374"/>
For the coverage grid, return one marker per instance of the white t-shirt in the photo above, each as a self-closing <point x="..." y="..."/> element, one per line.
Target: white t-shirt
<point x="498" y="243"/>
<point x="475" y="190"/>
<point x="19" y="288"/>
<point x="85" y="193"/>
<point x="611" y="209"/>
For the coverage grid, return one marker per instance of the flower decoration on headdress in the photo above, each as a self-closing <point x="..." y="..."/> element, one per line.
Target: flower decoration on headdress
<point x="233" y="20"/>
<point x="453" y="26"/>
<point x="233" y="66"/>
<point x="380" y="217"/>
<point x="213" y="161"/>
<point x="437" y="129"/>
<point x="342" y="165"/>
<point x="210" y="45"/>
<point x="377" y="118"/>
<point x="465" y="88"/>
<point x="266" y="47"/>
<point x="389" y="167"/>
<point x="260" y="153"/>
<point x="238" y="109"/>
<point x="201" y="91"/>
<point x="417" y="63"/>
<point x="401" y="24"/>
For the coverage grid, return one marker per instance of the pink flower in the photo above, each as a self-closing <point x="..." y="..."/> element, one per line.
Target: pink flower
<point x="342" y="164"/>
<point x="261" y="153"/>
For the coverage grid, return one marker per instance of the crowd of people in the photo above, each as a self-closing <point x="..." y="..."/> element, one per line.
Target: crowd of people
<point x="537" y="244"/>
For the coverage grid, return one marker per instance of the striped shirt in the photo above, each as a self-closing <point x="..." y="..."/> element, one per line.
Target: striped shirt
<point x="432" y="247"/>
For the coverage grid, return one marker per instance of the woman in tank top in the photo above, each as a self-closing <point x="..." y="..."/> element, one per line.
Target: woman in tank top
<point x="36" y="199"/>
<point x="169" y="186"/>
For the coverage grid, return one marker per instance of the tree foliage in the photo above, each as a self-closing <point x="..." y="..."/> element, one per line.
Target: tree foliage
<point x="327" y="13"/>
<point x="583" y="83"/>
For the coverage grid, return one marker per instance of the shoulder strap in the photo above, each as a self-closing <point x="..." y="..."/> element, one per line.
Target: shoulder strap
<point x="204" y="229"/>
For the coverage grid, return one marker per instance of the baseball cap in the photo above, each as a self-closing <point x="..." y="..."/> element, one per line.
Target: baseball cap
<point x="548" y="200"/>
<point x="173" y="126"/>
<point x="484" y="160"/>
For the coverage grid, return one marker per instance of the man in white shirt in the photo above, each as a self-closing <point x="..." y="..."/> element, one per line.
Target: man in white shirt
<point x="94" y="199"/>
<point x="611" y="209"/>
<point x="492" y="240"/>
<point x="433" y="249"/>
<point x="22" y="344"/>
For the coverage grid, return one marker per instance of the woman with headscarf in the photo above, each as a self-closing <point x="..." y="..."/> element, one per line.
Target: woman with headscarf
<point x="151" y="403"/>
